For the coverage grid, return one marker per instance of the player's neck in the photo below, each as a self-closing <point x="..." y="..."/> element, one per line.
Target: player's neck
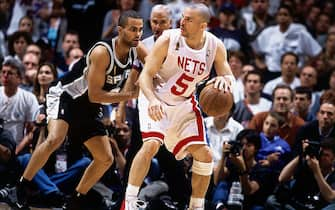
<point x="196" y="42"/>
<point x="121" y="50"/>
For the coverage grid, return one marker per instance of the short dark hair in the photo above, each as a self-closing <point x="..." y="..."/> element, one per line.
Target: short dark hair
<point x="254" y="72"/>
<point x="71" y="32"/>
<point x="304" y="90"/>
<point x="252" y="136"/>
<point x="123" y="20"/>
<point x="289" y="53"/>
<point x="328" y="143"/>
<point x="283" y="86"/>
<point x="287" y="7"/>
<point x="255" y="139"/>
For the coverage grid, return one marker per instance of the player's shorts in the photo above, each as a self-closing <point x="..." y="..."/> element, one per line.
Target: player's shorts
<point x="181" y="126"/>
<point x="84" y="118"/>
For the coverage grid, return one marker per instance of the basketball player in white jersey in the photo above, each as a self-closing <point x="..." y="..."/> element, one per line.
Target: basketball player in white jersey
<point x="169" y="113"/>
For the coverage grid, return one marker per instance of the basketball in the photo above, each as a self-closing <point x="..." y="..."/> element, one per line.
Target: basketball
<point x="215" y="102"/>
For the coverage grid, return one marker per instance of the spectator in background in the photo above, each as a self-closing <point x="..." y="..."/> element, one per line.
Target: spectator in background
<point x="70" y="40"/>
<point x="18" y="107"/>
<point x="322" y="168"/>
<point x="236" y="60"/>
<point x="305" y="192"/>
<point x="20" y="9"/>
<point x="323" y="126"/>
<point x="275" y="151"/>
<point x="31" y="63"/>
<point x="17" y="44"/>
<point x="232" y="37"/>
<point x="289" y="69"/>
<point x="253" y="102"/>
<point x="284" y="37"/>
<point x="325" y="63"/>
<point x="35" y="49"/>
<point x="282" y="104"/>
<point x="220" y="130"/>
<point x="73" y="55"/>
<point x="332" y="81"/>
<point x="26" y="24"/>
<point x="256" y="180"/>
<point x="7" y="156"/>
<point x="255" y="22"/>
<point x="109" y="29"/>
<point x="321" y="28"/>
<point x="310" y="18"/>
<point x="5" y="14"/>
<point x="46" y="73"/>
<point x="308" y="79"/>
<point x="302" y="101"/>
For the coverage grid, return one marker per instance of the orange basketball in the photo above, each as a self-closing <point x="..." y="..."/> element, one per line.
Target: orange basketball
<point x="215" y="102"/>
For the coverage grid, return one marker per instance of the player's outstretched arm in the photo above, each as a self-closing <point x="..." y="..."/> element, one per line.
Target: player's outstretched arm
<point x="225" y="78"/>
<point x="99" y="61"/>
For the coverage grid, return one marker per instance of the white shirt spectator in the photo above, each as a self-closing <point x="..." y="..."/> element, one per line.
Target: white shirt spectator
<point x="217" y="138"/>
<point x="263" y="106"/>
<point x="17" y="110"/>
<point x="273" y="44"/>
<point x="238" y="90"/>
<point x="270" y="86"/>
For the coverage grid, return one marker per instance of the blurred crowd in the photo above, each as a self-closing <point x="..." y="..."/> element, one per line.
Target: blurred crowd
<point x="275" y="149"/>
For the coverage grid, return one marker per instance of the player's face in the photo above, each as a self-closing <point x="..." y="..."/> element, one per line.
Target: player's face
<point x="190" y="23"/>
<point x="131" y="34"/>
<point x="159" y="22"/>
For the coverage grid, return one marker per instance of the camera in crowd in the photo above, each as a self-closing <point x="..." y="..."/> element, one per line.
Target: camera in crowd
<point x="313" y="149"/>
<point x="235" y="148"/>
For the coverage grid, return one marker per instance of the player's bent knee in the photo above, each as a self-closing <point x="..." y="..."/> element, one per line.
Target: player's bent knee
<point x="53" y="143"/>
<point x="106" y="159"/>
<point x="202" y="168"/>
<point x="150" y="148"/>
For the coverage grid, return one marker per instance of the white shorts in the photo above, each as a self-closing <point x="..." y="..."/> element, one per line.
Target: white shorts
<point x="181" y="126"/>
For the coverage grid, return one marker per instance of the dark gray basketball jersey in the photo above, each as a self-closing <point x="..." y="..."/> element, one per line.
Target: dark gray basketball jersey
<point x="74" y="83"/>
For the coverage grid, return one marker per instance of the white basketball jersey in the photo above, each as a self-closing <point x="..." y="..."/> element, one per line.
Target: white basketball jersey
<point x="183" y="67"/>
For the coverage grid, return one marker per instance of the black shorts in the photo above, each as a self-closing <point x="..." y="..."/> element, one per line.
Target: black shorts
<point x="84" y="118"/>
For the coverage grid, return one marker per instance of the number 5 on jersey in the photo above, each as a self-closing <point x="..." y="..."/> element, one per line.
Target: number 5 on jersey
<point x="181" y="84"/>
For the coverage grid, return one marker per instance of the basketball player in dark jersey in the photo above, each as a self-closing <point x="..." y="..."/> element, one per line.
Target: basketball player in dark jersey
<point x="74" y="103"/>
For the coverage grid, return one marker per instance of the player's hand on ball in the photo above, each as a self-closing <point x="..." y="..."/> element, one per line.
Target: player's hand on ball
<point x="155" y="110"/>
<point x="222" y="83"/>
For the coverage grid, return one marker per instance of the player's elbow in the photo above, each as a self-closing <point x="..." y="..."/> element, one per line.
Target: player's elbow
<point x="94" y="98"/>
